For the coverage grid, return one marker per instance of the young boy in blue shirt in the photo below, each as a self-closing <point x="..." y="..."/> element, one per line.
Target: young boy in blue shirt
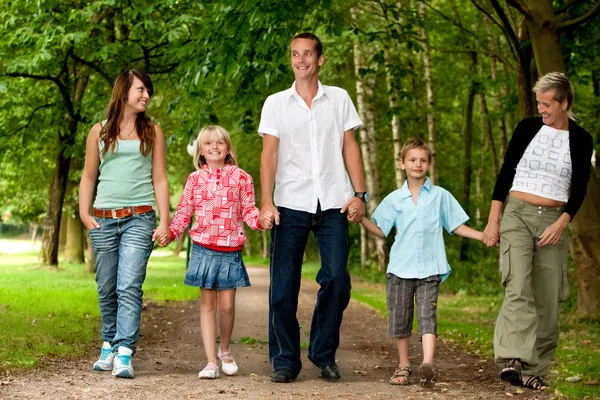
<point x="419" y="211"/>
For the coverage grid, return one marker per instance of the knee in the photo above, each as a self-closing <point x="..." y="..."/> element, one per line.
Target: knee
<point x="226" y="308"/>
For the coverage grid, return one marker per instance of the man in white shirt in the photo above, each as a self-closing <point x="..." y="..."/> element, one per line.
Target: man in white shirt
<point x="311" y="157"/>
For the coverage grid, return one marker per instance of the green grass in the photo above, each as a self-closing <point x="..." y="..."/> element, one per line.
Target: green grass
<point x="468" y="321"/>
<point x="53" y="312"/>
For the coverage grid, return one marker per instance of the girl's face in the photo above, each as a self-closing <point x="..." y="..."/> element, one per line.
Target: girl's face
<point x="138" y="96"/>
<point x="214" y="151"/>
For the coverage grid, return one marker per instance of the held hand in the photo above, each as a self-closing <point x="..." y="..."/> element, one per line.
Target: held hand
<point x="491" y="234"/>
<point x="162" y="235"/>
<point x="552" y="234"/>
<point x="266" y="220"/>
<point x="89" y="222"/>
<point x="268" y="215"/>
<point x="355" y="208"/>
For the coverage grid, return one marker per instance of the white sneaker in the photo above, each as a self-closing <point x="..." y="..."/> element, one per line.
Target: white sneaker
<point x="123" y="368"/>
<point x="230" y="368"/>
<point x="211" y="371"/>
<point x="105" y="362"/>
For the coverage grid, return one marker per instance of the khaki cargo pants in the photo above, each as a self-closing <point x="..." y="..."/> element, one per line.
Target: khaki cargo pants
<point x="535" y="281"/>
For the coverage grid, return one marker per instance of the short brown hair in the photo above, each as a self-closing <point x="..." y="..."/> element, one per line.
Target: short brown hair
<point x="314" y="38"/>
<point x="414" y="143"/>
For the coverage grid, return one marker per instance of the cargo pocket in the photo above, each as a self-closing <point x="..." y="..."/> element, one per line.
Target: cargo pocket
<point x="564" y="285"/>
<point x="504" y="262"/>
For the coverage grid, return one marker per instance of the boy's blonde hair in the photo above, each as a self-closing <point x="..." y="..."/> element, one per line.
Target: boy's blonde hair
<point x="414" y="143"/>
<point x="213" y="132"/>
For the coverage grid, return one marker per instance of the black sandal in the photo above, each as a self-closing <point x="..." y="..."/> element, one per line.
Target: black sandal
<point x="535" y="383"/>
<point x="512" y="373"/>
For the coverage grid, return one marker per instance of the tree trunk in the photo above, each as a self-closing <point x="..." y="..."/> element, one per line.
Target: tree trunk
<point x="64" y="231"/>
<point x="586" y="252"/>
<point x="90" y="257"/>
<point x="396" y="138"/>
<point x="180" y="243"/>
<point x="75" y="237"/>
<point x="544" y="38"/>
<point x="468" y="139"/>
<point x="432" y="135"/>
<point x="265" y="245"/>
<point x="49" y="252"/>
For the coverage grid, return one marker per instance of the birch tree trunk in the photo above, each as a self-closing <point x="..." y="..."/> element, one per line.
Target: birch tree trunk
<point x="432" y="135"/>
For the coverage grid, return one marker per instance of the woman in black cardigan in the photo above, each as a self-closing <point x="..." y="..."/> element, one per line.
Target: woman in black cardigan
<point x="546" y="170"/>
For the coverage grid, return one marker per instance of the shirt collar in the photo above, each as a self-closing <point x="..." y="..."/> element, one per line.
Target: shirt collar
<point x="293" y="94"/>
<point x="405" y="192"/>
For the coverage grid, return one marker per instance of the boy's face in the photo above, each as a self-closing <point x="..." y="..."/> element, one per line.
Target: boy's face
<point x="416" y="163"/>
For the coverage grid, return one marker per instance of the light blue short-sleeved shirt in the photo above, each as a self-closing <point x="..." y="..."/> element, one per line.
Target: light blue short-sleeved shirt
<point x="418" y="250"/>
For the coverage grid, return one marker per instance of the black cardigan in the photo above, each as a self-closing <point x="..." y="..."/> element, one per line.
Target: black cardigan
<point x="581" y="144"/>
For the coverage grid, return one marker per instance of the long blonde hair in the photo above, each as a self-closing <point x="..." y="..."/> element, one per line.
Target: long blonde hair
<point x="213" y="132"/>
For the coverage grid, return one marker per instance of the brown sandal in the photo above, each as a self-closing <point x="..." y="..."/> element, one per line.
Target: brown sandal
<point x="400" y="376"/>
<point x="512" y="372"/>
<point x="429" y="375"/>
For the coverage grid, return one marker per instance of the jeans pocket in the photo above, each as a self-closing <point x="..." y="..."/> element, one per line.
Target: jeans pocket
<point x="505" y="262"/>
<point x="564" y="284"/>
<point x="393" y="279"/>
<point x="149" y="217"/>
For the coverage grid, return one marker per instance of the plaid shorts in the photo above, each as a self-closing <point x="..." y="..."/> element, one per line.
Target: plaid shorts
<point x="401" y="297"/>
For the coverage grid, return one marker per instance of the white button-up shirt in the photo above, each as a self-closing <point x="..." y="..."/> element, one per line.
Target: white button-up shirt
<point x="310" y="166"/>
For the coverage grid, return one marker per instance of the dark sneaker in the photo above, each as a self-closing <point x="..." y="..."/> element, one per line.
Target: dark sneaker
<point x="282" y="375"/>
<point x="330" y="372"/>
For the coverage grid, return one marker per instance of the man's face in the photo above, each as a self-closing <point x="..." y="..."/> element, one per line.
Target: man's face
<point x="305" y="61"/>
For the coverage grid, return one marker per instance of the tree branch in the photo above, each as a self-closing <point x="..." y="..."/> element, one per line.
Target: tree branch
<point x="93" y="66"/>
<point x="521" y="7"/>
<point x="568" y="6"/>
<point x="579" y="20"/>
<point x="31" y="118"/>
<point x="448" y="18"/>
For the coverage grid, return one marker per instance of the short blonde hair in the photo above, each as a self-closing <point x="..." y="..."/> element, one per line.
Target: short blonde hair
<point x="213" y="132"/>
<point x="414" y="143"/>
<point x="563" y="89"/>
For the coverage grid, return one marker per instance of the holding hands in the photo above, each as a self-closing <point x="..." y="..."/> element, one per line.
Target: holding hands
<point x="162" y="235"/>
<point x="491" y="234"/>
<point x="355" y="208"/>
<point x="268" y="215"/>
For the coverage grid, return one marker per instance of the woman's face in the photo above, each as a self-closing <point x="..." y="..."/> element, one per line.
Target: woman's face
<point x="138" y="96"/>
<point x="554" y="114"/>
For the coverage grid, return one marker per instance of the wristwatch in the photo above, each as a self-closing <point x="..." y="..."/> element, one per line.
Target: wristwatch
<point x="364" y="196"/>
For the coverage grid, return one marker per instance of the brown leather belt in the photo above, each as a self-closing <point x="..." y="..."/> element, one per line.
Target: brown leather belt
<point x="121" y="212"/>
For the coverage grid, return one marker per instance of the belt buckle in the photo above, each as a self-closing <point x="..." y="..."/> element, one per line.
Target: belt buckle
<point x="113" y="212"/>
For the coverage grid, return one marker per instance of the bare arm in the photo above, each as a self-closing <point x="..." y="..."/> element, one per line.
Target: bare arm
<point x="372" y="227"/>
<point x="159" y="181"/>
<point x="89" y="176"/>
<point x="351" y="154"/>
<point x="468" y="233"/>
<point x="268" y="169"/>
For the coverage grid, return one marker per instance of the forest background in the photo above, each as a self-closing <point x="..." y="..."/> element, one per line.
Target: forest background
<point x="458" y="73"/>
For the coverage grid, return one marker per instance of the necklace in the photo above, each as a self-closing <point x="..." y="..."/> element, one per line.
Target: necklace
<point x="124" y="137"/>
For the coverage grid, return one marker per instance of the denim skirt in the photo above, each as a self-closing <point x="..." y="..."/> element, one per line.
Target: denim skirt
<point x="219" y="270"/>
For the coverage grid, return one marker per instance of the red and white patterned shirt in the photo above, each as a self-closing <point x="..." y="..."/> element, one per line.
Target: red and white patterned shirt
<point x="221" y="199"/>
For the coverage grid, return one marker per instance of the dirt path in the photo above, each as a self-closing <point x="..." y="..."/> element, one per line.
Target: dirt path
<point x="171" y="354"/>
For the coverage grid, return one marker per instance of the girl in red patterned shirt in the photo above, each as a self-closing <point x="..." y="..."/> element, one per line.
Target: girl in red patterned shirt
<point x="220" y="196"/>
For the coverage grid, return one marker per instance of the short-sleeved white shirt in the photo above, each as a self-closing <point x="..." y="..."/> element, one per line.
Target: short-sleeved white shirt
<point x="310" y="166"/>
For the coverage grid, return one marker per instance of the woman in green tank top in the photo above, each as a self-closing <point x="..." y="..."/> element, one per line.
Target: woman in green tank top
<point x="126" y="154"/>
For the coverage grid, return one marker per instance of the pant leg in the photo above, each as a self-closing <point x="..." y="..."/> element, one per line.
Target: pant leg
<point x="516" y="326"/>
<point x="288" y="241"/>
<point x="105" y="243"/>
<point x="548" y="280"/>
<point x="426" y="296"/>
<point x="134" y="250"/>
<point x="331" y="231"/>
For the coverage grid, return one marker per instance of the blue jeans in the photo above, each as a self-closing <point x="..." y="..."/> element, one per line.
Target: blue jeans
<point x="122" y="248"/>
<point x="288" y="240"/>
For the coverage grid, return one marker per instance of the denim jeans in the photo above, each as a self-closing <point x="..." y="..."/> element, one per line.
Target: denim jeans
<point x="288" y="240"/>
<point x="122" y="248"/>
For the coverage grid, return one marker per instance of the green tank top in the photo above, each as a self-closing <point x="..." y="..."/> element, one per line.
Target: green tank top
<point x="125" y="177"/>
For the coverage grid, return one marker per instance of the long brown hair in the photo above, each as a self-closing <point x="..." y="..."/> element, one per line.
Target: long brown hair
<point x="114" y="112"/>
